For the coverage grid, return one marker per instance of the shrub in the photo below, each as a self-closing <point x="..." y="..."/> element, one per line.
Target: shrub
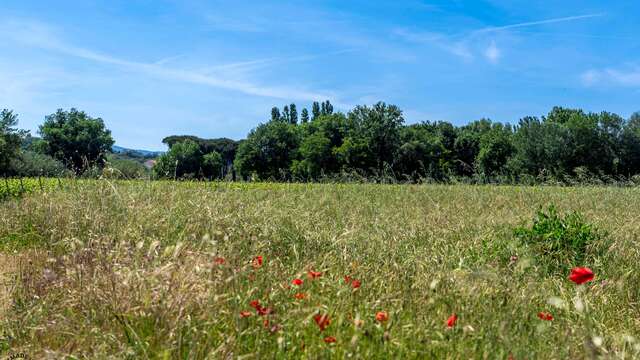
<point x="33" y="164"/>
<point x="124" y="169"/>
<point x="559" y="241"/>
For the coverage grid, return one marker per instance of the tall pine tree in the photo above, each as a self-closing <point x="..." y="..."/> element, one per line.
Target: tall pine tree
<point x="315" y="111"/>
<point x="305" y="116"/>
<point x="293" y="114"/>
<point x="286" y="116"/>
<point x="328" y="108"/>
<point x="275" y="114"/>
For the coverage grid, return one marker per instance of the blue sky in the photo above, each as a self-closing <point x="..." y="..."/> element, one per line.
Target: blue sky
<point x="152" y="68"/>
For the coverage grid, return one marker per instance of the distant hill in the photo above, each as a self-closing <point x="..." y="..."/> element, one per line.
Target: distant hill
<point x="136" y="152"/>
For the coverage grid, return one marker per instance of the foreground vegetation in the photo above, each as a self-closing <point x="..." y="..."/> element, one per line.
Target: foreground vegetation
<point x="170" y="270"/>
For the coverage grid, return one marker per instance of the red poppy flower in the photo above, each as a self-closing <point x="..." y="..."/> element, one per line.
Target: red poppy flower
<point x="297" y="282"/>
<point x="355" y="284"/>
<point x="322" y="320"/>
<point x="244" y="314"/>
<point x="265" y="323"/>
<point x="382" y="316"/>
<point x="255" y="304"/>
<point x="219" y="260"/>
<point x="329" y="339"/>
<point x="314" y="274"/>
<point x="546" y="316"/>
<point x="262" y="311"/>
<point x="300" y="296"/>
<point x="451" y="321"/>
<point x="347" y="279"/>
<point x="581" y="275"/>
<point x="257" y="262"/>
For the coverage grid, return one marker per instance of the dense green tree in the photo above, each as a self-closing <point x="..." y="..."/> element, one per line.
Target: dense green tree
<point x="630" y="147"/>
<point x="275" y="114"/>
<point x="227" y="148"/>
<point x="540" y="148"/>
<point x="423" y="152"/>
<point x="304" y="117"/>
<point x="286" y="115"/>
<point x="293" y="114"/>
<point x="495" y="150"/>
<point x="213" y="165"/>
<point x="268" y="152"/>
<point x="318" y="148"/>
<point x="76" y="139"/>
<point x="326" y="108"/>
<point x="372" y="139"/>
<point x="10" y="140"/>
<point x="315" y="110"/>
<point x="183" y="160"/>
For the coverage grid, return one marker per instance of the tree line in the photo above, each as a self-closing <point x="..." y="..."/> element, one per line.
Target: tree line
<point x="371" y="142"/>
<point x="375" y="142"/>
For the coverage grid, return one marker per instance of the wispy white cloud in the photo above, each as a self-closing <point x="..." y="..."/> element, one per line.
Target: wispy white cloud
<point x="461" y="44"/>
<point x="268" y="62"/>
<point x="536" y="23"/>
<point x="39" y="35"/>
<point x="492" y="53"/>
<point x="629" y="76"/>
<point x="442" y="41"/>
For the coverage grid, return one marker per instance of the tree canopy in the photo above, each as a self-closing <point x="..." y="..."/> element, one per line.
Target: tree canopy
<point x="76" y="139"/>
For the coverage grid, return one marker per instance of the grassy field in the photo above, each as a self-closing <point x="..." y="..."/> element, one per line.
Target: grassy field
<point x="147" y="270"/>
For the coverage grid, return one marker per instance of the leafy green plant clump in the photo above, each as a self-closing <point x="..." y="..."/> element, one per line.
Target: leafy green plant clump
<point x="558" y="240"/>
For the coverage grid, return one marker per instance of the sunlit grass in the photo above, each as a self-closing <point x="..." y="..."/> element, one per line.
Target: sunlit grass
<point x="129" y="269"/>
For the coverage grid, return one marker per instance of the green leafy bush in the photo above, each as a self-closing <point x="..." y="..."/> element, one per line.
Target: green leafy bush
<point x="560" y="241"/>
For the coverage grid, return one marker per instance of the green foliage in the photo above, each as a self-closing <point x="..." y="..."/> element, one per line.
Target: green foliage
<point x="121" y="168"/>
<point x="76" y="139"/>
<point x="213" y="165"/>
<point x="226" y="148"/>
<point x="375" y="132"/>
<point x="182" y="161"/>
<point x="315" y="110"/>
<point x="10" y="140"/>
<point x="495" y="150"/>
<point x="269" y="151"/>
<point x="559" y="242"/>
<point x="33" y="164"/>
<point x="137" y="261"/>
<point x="304" y="117"/>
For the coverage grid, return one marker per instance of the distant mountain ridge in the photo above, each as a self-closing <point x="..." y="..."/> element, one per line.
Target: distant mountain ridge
<point x="141" y="153"/>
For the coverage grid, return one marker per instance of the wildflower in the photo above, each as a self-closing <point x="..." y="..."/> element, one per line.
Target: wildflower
<point x="581" y="275"/>
<point x="451" y="321"/>
<point x="297" y="282"/>
<point x="329" y="339"/>
<point x="255" y="304"/>
<point x="382" y="316"/>
<point x="275" y="328"/>
<point x="314" y="274"/>
<point x="264" y="311"/>
<point x="546" y="316"/>
<point x="219" y="260"/>
<point x="355" y="284"/>
<point x="347" y="279"/>
<point x="244" y="314"/>
<point x="257" y="262"/>
<point x="300" y="296"/>
<point x="322" y="320"/>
